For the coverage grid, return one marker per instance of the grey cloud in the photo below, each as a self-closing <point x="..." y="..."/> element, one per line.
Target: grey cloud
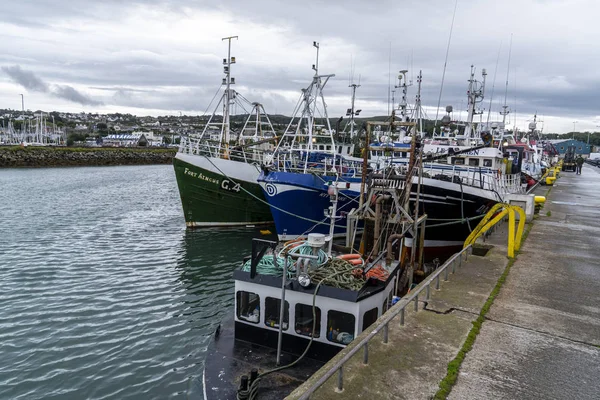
<point x="69" y="93"/>
<point x="27" y="79"/>
<point x="178" y="75"/>
<point x="30" y="81"/>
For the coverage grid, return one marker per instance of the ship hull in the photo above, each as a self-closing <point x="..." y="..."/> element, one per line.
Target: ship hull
<point x="453" y="211"/>
<point x="218" y="192"/>
<point x="298" y="203"/>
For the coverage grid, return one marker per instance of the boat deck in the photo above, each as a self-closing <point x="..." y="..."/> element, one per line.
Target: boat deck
<point x="228" y="359"/>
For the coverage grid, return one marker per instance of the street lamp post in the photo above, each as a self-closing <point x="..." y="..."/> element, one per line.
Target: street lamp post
<point x="574" y="123"/>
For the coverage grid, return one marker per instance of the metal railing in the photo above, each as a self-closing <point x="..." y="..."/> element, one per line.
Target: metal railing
<point x="482" y="178"/>
<point x="298" y="161"/>
<point x="383" y="325"/>
<point x="203" y="147"/>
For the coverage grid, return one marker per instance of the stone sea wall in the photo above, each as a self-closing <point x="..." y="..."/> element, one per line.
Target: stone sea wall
<point x="17" y="156"/>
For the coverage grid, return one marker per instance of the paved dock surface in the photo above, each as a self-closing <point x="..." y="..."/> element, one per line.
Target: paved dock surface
<point x="542" y="336"/>
<point x="415" y="360"/>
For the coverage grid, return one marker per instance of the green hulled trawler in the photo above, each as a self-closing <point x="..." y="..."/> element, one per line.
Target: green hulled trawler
<point x="216" y="172"/>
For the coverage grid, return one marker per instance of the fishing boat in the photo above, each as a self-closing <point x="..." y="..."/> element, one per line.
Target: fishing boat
<point x="464" y="174"/>
<point x="299" y="303"/>
<point x="308" y="158"/>
<point x="216" y="172"/>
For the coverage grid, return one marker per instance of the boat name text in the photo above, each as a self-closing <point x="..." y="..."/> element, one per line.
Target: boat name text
<point x="231" y="186"/>
<point x="444" y="150"/>
<point x="200" y="175"/>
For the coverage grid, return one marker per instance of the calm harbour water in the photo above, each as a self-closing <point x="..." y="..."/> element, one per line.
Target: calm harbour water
<point x="103" y="292"/>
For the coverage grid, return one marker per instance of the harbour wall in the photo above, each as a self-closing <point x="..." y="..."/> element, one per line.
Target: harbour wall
<point x="16" y="156"/>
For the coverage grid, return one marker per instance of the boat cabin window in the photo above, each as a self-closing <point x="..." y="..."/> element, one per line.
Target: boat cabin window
<point x="328" y="147"/>
<point x="248" y="306"/>
<point x="340" y="327"/>
<point x="458" y="161"/>
<point x="474" y="162"/>
<point x="272" y="309"/>
<point x="404" y="154"/>
<point x="340" y="149"/>
<point x="487" y="162"/>
<point x="304" y="320"/>
<point x="369" y="318"/>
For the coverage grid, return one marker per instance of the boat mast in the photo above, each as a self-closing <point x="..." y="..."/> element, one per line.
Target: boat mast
<point x="352" y="111"/>
<point x="228" y="96"/>
<point x="403" y="103"/>
<point x="418" y="109"/>
<point x="310" y="111"/>
<point x="445" y="65"/>
<point x="302" y="128"/>
<point x="505" y="111"/>
<point x="475" y="95"/>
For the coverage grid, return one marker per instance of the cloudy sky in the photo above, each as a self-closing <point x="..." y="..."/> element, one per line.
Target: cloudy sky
<point x="156" y="57"/>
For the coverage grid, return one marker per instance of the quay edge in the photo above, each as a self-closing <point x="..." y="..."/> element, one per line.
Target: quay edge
<point x="534" y="317"/>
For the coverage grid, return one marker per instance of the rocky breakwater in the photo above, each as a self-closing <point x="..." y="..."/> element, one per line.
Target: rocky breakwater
<point x="30" y="156"/>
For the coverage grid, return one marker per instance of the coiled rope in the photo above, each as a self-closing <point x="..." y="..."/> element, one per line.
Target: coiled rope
<point x="269" y="265"/>
<point x="339" y="274"/>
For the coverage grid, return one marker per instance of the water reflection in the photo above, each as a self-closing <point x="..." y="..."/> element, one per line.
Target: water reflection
<point x="206" y="259"/>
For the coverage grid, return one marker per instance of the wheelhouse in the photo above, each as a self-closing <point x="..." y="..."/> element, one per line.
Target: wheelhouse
<point x="339" y="314"/>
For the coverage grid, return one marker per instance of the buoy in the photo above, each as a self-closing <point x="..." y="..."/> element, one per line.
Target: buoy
<point x="265" y="232"/>
<point x="539" y="199"/>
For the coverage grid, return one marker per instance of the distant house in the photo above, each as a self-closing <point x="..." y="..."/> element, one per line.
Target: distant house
<point x="580" y="147"/>
<point x="149" y="135"/>
<point x="130" y="140"/>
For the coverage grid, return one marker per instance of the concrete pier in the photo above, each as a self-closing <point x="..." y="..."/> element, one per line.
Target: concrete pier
<point x="541" y="337"/>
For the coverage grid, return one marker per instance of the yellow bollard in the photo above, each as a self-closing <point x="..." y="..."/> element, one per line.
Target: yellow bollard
<point x="511" y="233"/>
<point x="521" y="226"/>
<point x="514" y="238"/>
<point x="539" y="199"/>
<point x="475" y="234"/>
